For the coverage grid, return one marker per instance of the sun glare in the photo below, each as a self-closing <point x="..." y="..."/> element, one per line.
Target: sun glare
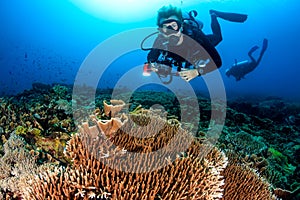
<point x="123" y="11"/>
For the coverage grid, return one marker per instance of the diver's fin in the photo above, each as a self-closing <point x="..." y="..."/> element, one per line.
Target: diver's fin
<point x="233" y="17"/>
<point x="265" y="45"/>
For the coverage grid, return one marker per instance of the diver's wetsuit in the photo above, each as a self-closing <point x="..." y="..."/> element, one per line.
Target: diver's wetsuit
<point x="239" y="70"/>
<point x="193" y="48"/>
<point x="185" y="52"/>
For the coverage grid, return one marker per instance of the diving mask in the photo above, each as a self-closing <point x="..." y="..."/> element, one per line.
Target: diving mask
<point x="170" y="30"/>
<point x="169" y="26"/>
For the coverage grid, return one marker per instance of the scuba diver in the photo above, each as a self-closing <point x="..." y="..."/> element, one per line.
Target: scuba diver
<point x="182" y="44"/>
<point x="240" y="69"/>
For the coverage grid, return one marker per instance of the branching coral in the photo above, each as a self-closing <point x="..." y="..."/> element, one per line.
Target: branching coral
<point x="146" y="158"/>
<point x="17" y="167"/>
<point x="242" y="182"/>
<point x="246" y="143"/>
<point x="127" y="167"/>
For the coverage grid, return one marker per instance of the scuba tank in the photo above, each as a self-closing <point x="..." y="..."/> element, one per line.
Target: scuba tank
<point x="190" y="23"/>
<point x="241" y="63"/>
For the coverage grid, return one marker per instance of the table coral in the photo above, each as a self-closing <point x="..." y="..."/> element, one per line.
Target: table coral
<point x="125" y="166"/>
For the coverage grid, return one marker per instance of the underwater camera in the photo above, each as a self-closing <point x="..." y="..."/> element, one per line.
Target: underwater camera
<point x="162" y="70"/>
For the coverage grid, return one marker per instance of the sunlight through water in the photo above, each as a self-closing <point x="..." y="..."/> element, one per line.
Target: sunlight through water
<point x="126" y="11"/>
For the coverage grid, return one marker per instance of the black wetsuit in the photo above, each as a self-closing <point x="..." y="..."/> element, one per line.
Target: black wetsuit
<point x="189" y="50"/>
<point x="239" y="70"/>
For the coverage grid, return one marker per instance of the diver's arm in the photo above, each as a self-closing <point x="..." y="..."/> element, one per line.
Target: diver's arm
<point x="264" y="48"/>
<point x="156" y="49"/>
<point x="153" y="55"/>
<point x="252" y="63"/>
<point x="202" y="39"/>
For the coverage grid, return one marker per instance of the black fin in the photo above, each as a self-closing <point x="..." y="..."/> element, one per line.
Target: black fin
<point x="233" y="17"/>
<point x="265" y="45"/>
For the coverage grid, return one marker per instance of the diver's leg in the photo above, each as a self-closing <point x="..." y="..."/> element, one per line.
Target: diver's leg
<point x="216" y="37"/>
<point x="251" y="51"/>
<point x="254" y="63"/>
<point x="264" y="47"/>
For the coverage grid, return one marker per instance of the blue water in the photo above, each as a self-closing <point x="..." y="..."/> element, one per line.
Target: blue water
<point x="47" y="41"/>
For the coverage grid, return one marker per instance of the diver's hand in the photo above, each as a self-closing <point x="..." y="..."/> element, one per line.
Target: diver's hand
<point x="189" y="74"/>
<point x="154" y="67"/>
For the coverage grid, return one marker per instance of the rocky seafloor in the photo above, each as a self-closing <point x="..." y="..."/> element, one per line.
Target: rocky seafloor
<point x="262" y="133"/>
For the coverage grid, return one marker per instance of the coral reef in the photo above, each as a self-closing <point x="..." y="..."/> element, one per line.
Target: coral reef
<point x="242" y="182"/>
<point x="131" y="176"/>
<point x="248" y="144"/>
<point x="43" y="118"/>
<point x="262" y="147"/>
<point x="123" y="166"/>
<point x="255" y="139"/>
<point x="18" y="166"/>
